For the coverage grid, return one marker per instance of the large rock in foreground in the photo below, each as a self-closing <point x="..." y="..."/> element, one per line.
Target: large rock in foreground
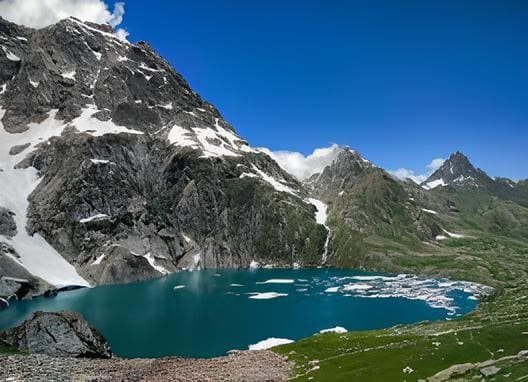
<point x="61" y="334"/>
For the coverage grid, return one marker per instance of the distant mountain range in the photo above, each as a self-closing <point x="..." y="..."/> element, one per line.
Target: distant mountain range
<point x="114" y="170"/>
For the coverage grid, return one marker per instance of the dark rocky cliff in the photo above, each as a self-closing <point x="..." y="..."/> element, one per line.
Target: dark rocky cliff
<point x="138" y="175"/>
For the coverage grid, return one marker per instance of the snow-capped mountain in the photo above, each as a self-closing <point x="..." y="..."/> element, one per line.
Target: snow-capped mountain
<point x="457" y="170"/>
<point x="113" y="169"/>
<point x="458" y="173"/>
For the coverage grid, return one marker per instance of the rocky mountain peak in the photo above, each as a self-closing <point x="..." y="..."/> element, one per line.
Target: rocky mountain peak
<point x="347" y="166"/>
<point x="457" y="170"/>
<point x="102" y="27"/>
<point x="82" y="74"/>
<point x="7" y="27"/>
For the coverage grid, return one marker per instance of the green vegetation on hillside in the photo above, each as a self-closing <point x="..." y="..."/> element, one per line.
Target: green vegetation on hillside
<point x="460" y="233"/>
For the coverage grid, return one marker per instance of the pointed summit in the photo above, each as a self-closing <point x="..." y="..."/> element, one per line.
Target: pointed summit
<point x="344" y="170"/>
<point x="348" y="163"/>
<point x="457" y="170"/>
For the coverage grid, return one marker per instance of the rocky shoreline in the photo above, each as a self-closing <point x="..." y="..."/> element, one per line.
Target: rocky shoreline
<point x="62" y="346"/>
<point x="247" y="366"/>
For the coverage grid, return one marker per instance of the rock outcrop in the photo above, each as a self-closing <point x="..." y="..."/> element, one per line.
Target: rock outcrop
<point x="63" y="334"/>
<point x="7" y="223"/>
<point x="15" y="281"/>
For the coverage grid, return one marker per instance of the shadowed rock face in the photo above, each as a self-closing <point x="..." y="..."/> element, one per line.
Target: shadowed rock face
<point x="63" y="334"/>
<point x="15" y="281"/>
<point x="7" y="223"/>
<point x="169" y="183"/>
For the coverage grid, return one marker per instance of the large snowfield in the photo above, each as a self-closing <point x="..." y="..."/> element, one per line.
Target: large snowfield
<point x="36" y="255"/>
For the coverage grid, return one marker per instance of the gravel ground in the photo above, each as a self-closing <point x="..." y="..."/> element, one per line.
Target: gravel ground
<point x="248" y="366"/>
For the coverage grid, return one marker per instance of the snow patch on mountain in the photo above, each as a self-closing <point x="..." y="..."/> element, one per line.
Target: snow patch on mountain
<point x="93" y="126"/>
<point x="94" y="217"/>
<point x="321" y="217"/>
<point x="181" y="137"/>
<point x="213" y="141"/>
<point x="152" y="261"/>
<point x="10" y="55"/>
<point x="36" y="255"/>
<point x="70" y="75"/>
<point x="429" y="211"/>
<point x="269" y="343"/>
<point x="449" y="235"/>
<point x="98" y="260"/>
<point x="434" y="184"/>
<point x="101" y="161"/>
<point x="337" y="329"/>
<point x="276" y="184"/>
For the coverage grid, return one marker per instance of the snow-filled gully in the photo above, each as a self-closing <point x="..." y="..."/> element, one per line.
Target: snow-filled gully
<point x="320" y="217"/>
<point x="36" y="255"/>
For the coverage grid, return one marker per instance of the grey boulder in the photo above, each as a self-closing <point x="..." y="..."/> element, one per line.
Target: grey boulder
<point x="59" y="334"/>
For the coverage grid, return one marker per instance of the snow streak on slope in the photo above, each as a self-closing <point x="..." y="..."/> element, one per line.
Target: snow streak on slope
<point x="278" y="185"/>
<point x="152" y="261"/>
<point x="215" y="141"/>
<point x="91" y="125"/>
<point x="434" y="184"/>
<point x="36" y="255"/>
<point x="320" y="218"/>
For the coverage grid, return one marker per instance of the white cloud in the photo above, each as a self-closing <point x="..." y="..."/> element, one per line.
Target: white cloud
<point x="41" y="13"/>
<point x="435" y="164"/>
<point x="117" y="15"/>
<point x="404" y="173"/>
<point x="302" y="166"/>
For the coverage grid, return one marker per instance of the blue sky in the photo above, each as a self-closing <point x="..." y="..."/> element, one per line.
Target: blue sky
<point x="402" y="82"/>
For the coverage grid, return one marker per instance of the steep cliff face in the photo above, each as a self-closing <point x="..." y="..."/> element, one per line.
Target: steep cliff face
<point x="116" y="166"/>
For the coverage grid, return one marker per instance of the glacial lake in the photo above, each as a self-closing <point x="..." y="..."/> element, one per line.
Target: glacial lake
<point x="207" y="313"/>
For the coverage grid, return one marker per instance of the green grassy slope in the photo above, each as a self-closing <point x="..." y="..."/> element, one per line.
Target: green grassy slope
<point x="493" y="251"/>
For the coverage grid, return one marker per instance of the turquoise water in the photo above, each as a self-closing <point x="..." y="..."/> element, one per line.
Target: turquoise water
<point x="207" y="313"/>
